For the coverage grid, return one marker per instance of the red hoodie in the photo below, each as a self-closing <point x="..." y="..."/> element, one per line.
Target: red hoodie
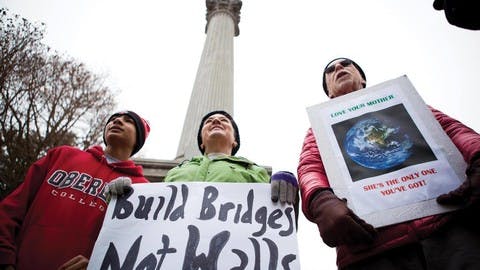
<point x="57" y="212"/>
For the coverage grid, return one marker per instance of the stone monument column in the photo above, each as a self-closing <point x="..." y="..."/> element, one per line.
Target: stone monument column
<point x="213" y="87"/>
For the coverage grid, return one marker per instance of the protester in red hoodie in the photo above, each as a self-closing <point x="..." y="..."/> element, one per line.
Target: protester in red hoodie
<point x="53" y="218"/>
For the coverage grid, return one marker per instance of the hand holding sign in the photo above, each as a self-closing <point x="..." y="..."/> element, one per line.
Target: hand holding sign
<point x="284" y="187"/>
<point x="337" y="224"/>
<point x="469" y="192"/>
<point x="118" y="186"/>
<point x="76" y="263"/>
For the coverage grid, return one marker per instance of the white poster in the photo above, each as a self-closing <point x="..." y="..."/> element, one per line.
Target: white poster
<point x="384" y="151"/>
<point x="197" y="225"/>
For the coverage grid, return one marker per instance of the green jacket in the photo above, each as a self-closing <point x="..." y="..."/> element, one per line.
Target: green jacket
<point x="221" y="169"/>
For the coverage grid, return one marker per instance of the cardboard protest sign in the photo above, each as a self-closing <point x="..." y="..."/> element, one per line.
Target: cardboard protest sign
<point x="197" y="225"/>
<point x="385" y="152"/>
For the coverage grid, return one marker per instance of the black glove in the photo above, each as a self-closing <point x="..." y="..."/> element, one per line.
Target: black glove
<point x="468" y="193"/>
<point x="337" y="223"/>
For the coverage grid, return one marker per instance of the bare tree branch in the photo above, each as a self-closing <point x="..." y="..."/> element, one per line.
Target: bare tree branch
<point x="46" y="99"/>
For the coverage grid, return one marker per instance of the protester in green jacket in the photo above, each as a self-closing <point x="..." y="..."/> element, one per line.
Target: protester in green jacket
<point x="220" y="168"/>
<point x="219" y="140"/>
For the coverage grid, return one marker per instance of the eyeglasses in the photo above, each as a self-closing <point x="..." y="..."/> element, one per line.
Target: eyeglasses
<point x="344" y="63"/>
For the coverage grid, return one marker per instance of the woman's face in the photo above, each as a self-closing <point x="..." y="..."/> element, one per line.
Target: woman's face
<point x="218" y="129"/>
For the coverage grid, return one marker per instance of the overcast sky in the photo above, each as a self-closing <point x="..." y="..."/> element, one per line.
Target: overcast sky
<point x="150" y="51"/>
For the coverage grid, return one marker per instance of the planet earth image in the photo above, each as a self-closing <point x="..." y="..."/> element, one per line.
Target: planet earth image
<point x="373" y="144"/>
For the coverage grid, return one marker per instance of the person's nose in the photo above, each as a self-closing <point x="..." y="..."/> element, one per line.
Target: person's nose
<point x="216" y="121"/>
<point x="118" y="120"/>
<point x="338" y="66"/>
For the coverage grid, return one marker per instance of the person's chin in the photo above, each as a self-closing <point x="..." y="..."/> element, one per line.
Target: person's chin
<point x="344" y="89"/>
<point x="217" y="133"/>
<point x="114" y="135"/>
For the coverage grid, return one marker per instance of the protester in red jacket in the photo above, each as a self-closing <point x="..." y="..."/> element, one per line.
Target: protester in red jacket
<point x="446" y="241"/>
<point x="56" y="213"/>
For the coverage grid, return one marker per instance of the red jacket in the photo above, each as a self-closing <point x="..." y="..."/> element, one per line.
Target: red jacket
<point x="57" y="212"/>
<point x="312" y="177"/>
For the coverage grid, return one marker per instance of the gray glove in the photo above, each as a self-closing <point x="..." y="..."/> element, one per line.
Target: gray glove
<point x="284" y="187"/>
<point x="118" y="186"/>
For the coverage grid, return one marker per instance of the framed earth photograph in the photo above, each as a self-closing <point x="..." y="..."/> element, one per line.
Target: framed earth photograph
<point x="379" y="142"/>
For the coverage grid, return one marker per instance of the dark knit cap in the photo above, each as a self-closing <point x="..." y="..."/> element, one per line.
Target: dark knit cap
<point x="343" y="58"/>
<point x="141" y="125"/>
<point x="234" y="125"/>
